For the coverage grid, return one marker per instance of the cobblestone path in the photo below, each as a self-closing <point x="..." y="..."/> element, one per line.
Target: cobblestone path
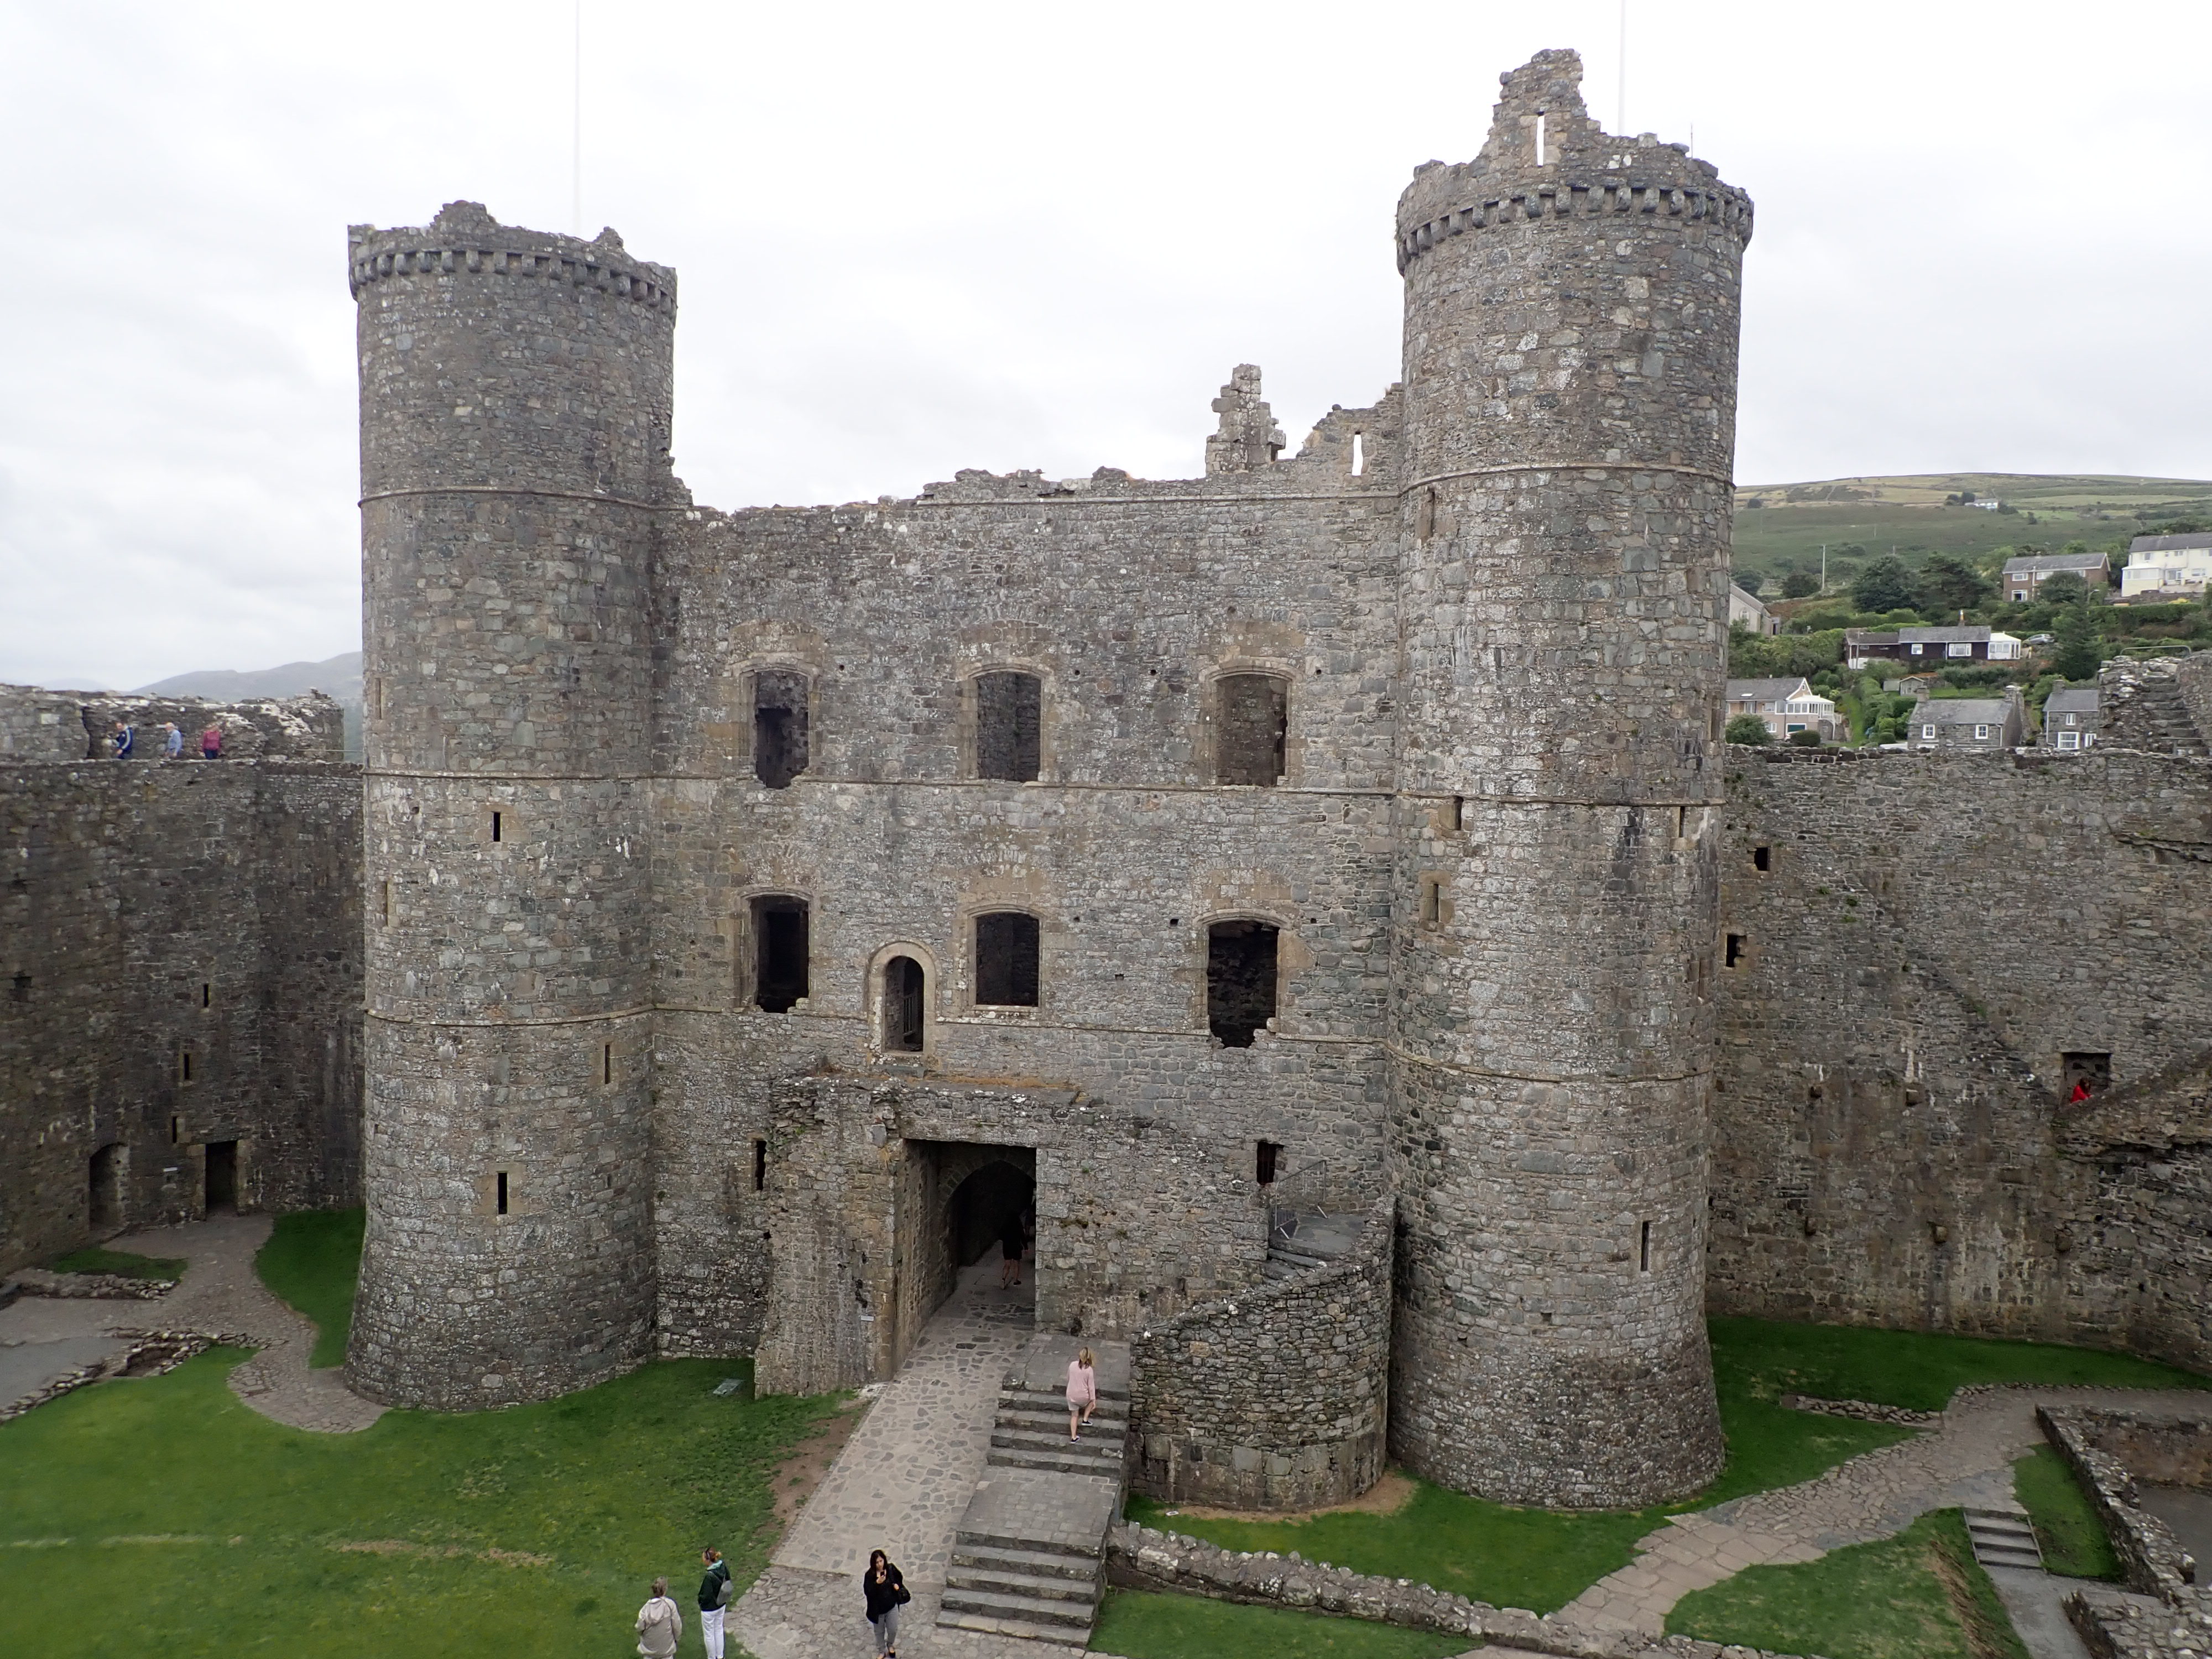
<point x="1965" y="1461"/>
<point x="219" y="1295"/>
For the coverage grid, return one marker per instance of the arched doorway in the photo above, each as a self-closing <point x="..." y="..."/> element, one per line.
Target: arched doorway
<point x="992" y="1204"/>
<point x="968" y="1196"/>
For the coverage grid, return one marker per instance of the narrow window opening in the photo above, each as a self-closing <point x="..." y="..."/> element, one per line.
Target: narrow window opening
<point x="1006" y="960"/>
<point x="1268" y="1152"/>
<point x="779" y="733"/>
<point x="1251" y="724"/>
<point x="1358" y="454"/>
<point x="1240" y="980"/>
<point x="606" y="1063"/>
<point x="1432" y="902"/>
<point x="1425" y="520"/>
<point x="500" y="1198"/>
<point x="387" y="901"/>
<point x="184" y="1065"/>
<point x="1009" y="725"/>
<point x="905" y="986"/>
<point x="176" y="1129"/>
<point x="1539" y="138"/>
<point x="1762" y="858"/>
<point x="1735" y="949"/>
<point x="1644" y="1251"/>
<point x="1459" y="812"/>
<point x="494" y="826"/>
<point x="104" y="1204"/>
<point x="207" y="994"/>
<point x="780" y="952"/>
<point x="1681" y="823"/>
<point x="19" y="987"/>
<point x="2085" y="1073"/>
<point x="760" y="1165"/>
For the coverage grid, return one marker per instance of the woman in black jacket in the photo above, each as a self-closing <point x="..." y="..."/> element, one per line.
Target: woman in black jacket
<point x="886" y="1593"/>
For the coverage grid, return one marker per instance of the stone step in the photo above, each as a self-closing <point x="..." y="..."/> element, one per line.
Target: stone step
<point x="973" y="1538"/>
<point x="1051" y="1564"/>
<point x="1036" y="1586"/>
<point x="1072" y="1460"/>
<point x="1042" y="1421"/>
<point x="1276" y="1271"/>
<point x="1021" y="1629"/>
<point x="1037" y="1399"/>
<point x="2002" y="1538"/>
<point x="1098" y="1442"/>
<point x="1062" y="1621"/>
<point x="1297" y="1260"/>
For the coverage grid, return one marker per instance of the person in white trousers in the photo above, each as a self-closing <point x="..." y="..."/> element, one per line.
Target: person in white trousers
<point x="714" y="1594"/>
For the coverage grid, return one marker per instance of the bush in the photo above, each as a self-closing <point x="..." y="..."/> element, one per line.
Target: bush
<point x="1749" y="729"/>
<point x="2064" y="587"/>
<point x="1885" y="585"/>
<point x="1750" y="582"/>
<point x="1808" y="738"/>
<point x="1800" y="585"/>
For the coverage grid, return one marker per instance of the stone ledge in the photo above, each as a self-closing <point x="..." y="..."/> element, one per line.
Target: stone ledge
<point x="1862" y="1411"/>
<point x="38" y="1281"/>
<point x="151" y="1353"/>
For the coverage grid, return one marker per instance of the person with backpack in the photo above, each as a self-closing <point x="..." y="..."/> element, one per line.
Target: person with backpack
<point x="211" y="743"/>
<point x="715" y="1593"/>
<point x="125" y="741"/>
<point x="659" y="1626"/>
<point x="887" y="1593"/>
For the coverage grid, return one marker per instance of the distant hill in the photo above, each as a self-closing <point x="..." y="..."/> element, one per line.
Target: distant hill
<point x="1779" y="527"/>
<point x="340" y="676"/>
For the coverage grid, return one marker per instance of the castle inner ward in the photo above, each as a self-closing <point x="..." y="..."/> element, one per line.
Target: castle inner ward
<point x="763" y="910"/>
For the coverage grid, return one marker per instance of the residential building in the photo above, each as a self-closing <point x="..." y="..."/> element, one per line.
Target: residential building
<point x="1930" y="648"/>
<point x="2025" y="575"/>
<point x="2069" y="717"/>
<point x="1969" y="723"/>
<point x="1749" y="610"/>
<point x="2168" y="564"/>
<point x="1788" y="705"/>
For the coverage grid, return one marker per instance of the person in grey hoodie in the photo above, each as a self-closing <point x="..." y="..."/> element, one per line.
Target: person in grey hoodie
<point x="659" y="1626"/>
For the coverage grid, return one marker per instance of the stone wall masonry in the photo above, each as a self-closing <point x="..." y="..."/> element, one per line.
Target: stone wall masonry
<point x="2139" y="698"/>
<point x="1931" y="935"/>
<point x="36" y="724"/>
<point x="39" y="725"/>
<point x="156" y="915"/>
<point x="2108" y="1450"/>
<point x="1145" y="1558"/>
<point x="1275" y="1398"/>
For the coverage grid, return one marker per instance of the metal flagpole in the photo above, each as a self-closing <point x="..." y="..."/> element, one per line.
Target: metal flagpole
<point x="576" y="126"/>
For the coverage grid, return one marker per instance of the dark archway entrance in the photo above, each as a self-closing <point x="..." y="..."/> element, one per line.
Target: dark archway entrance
<point x="965" y="1196"/>
<point x="996" y="1202"/>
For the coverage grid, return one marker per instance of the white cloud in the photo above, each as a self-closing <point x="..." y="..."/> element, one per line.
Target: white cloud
<point x="913" y="240"/>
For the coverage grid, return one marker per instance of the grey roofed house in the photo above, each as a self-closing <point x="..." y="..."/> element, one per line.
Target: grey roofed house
<point x="2025" y="573"/>
<point x="1967" y="722"/>
<point x="2070" y="717"/>
<point x="1788" y="705"/>
<point x="2170" y="543"/>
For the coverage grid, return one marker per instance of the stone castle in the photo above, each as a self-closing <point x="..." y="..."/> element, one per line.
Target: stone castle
<point x="1318" y="890"/>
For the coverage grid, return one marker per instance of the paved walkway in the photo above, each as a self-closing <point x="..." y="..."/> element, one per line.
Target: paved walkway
<point x="41" y="1338"/>
<point x="900" y="1485"/>
<point x="1966" y="1461"/>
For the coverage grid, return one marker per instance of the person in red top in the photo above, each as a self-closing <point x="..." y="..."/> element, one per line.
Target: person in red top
<point x="211" y="743"/>
<point x="2081" y="1092"/>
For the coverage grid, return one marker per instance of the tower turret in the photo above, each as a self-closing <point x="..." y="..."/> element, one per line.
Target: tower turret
<point x="1571" y="368"/>
<point x="515" y="400"/>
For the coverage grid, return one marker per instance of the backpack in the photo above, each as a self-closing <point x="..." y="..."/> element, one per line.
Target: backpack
<point x="725" y="1592"/>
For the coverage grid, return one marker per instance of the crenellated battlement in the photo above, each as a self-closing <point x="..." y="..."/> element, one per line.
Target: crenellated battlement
<point x="464" y="237"/>
<point x="1565" y="199"/>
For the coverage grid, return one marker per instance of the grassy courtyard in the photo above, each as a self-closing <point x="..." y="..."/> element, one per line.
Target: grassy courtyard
<point x="1143" y="1624"/>
<point x="126" y="1264"/>
<point x="313" y="1261"/>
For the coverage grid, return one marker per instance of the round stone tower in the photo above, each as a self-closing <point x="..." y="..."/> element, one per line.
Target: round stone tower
<point x="1570" y="369"/>
<point x="515" y="400"/>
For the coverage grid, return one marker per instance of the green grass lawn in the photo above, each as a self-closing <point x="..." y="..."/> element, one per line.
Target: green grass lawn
<point x="313" y="1261"/>
<point x="535" y="1530"/>
<point x="1143" y="1625"/>
<point x="2073" y="1540"/>
<point x="1542" y="1559"/>
<point x="1881" y="1601"/>
<point x="126" y="1263"/>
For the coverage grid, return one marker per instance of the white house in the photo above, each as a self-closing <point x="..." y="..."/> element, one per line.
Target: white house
<point x="1749" y="610"/>
<point x="1788" y="705"/>
<point x="2172" y="564"/>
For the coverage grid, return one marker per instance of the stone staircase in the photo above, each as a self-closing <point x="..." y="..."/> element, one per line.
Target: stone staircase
<point x="2162" y="709"/>
<point x="1298" y="1242"/>
<point x="2003" y="1538"/>
<point x="1028" y="1558"/>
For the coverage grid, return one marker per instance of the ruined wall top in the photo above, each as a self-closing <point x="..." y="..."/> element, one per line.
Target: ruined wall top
<point x="1546" y="156"/>
<point x="465" y="236"/>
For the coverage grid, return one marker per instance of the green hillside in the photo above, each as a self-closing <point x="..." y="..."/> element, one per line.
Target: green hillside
<point x="1781" y="527"/>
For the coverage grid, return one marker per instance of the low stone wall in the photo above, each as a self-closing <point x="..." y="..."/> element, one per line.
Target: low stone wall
<point x="1143" y="1557"/>
<point x="1275" y="1397"/>
<point x="36" y="1281"/>
<point x="2102" y="1447"/>
<point x="151" y="1353"/>
<point x="1860" y="1411"/>
<point x="2114" y="1625"/>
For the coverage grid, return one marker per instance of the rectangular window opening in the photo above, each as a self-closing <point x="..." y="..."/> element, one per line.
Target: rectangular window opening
<point x="184" y="1065"/>
<point x="1006" y="960"/>
<point x="1432" y="901"/>
<point x="1251" y="728"/>
<point x="1643" y="1249"/>
<point x="1240" y="980"/>
<point x="2084" y="1073"/>
<point x="1268" y="1152"/>
<point x="500" y="1197"/>
<point x="1358" y="454"/>
<point x="1762" y="858"/>
<point x="780" y="952"/>
<point x="387" y="901"/>
<point x="1009" y="725"/>
<point x="494" y="826"/>
<point x="1425" y="520"/>
<point x="207" y="994"/>
<point x="1737" y="950"/>
<point x="176" y="1129"/>
<point x="1459" y="812"/>
<point x="606" y="1062"/>
<point x="760" y="1165"/>
<point x="779" y="727"/>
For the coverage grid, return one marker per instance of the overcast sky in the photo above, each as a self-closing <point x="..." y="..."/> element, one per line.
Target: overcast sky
<point x="914" y="238"/>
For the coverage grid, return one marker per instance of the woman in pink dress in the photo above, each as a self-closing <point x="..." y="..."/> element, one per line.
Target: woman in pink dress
<point x="1082" y="1390"/>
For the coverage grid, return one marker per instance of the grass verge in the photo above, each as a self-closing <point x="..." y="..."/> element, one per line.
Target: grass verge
<point x="313" y="1261"/>
<point x="1541" y="1558"/>
<point x="127" y="1264"/>
<point x="1149" y="1624"/>
<point x="2067" y="1528"/>
<point x="532" y="1530"/>
<point x="1917" y="1595"/>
